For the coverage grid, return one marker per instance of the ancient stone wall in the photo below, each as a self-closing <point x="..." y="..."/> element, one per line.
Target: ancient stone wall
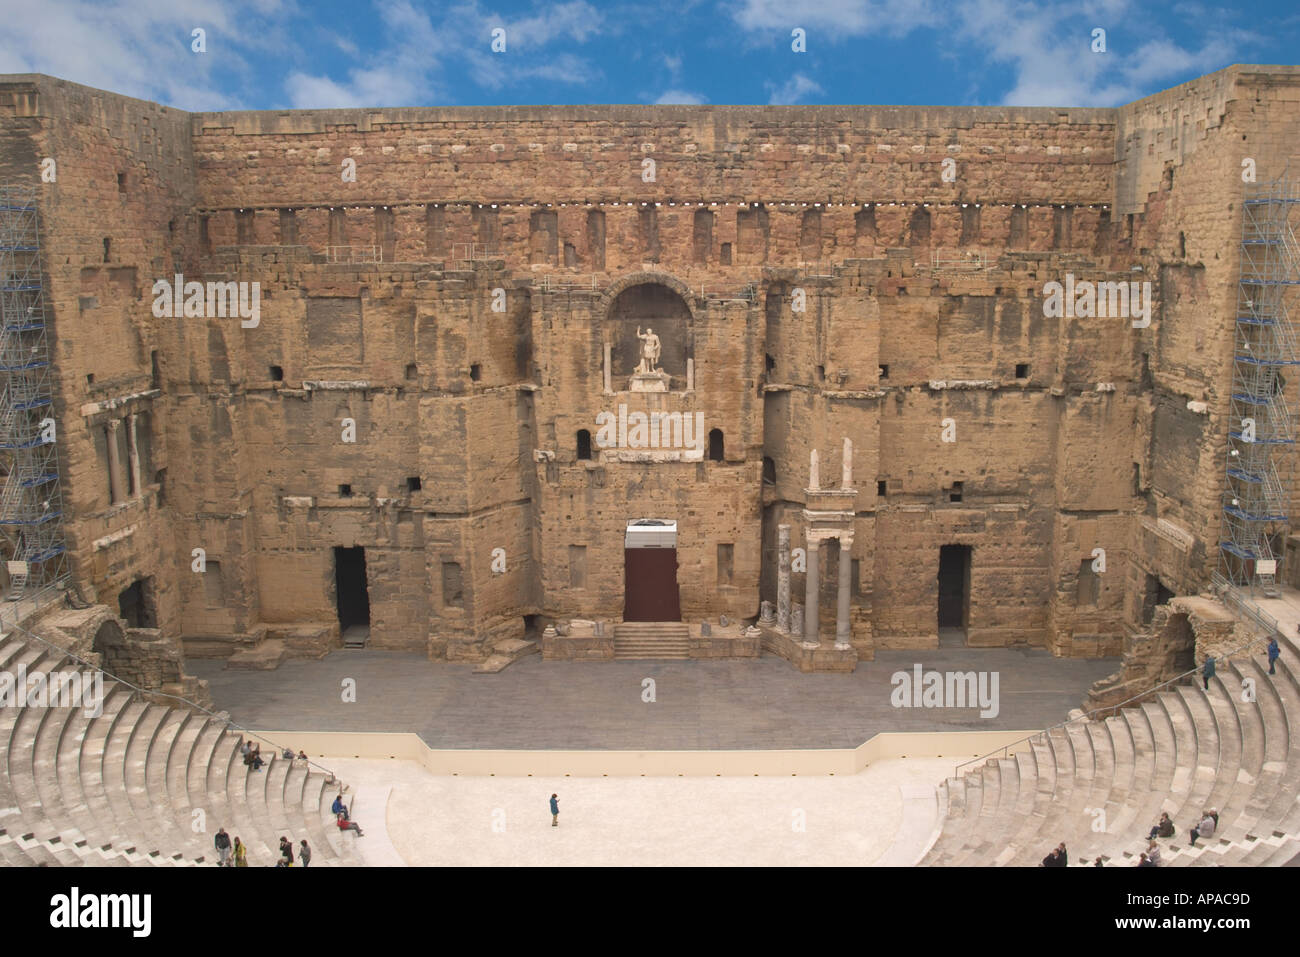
<point x="515" y="244"/>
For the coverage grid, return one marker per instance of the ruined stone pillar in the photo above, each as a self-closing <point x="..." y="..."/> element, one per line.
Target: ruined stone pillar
<point x="810" y="593"/>
<point x="133" y="450"/>
<point x="846" y="469"/>
<point x="690" y="375"/>
<point x="608" y="374"/>
<point x="814" y="471"/>
<point x="783" y="579"/>
<point x="842" y="629"/>
<point x="114" y="463"/>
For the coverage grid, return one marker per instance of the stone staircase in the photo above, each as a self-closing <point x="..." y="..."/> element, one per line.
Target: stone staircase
<point x="124" y="787"/>
<point x="652" y="639"/>
<point x="1100" y="785"/>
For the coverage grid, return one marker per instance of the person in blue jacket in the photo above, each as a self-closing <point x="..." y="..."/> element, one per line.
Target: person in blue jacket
<point x="1274" y="652"/>
<point x="1207" y="671"/>
<point x="555" y="811"/>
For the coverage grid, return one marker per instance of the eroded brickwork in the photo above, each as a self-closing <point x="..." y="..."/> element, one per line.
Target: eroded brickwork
<point x="517" y="247"/>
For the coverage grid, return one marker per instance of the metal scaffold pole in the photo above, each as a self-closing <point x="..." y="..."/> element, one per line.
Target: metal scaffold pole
<point x="1261" y="429"/>
<point x="31" y="505"/>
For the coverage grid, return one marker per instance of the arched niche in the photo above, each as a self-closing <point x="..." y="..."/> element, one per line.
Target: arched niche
<point x="657" y="304"/>
<point x="108" y="637"/>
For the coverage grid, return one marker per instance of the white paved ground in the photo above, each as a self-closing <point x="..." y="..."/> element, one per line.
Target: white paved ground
<point x="445" y="821"/>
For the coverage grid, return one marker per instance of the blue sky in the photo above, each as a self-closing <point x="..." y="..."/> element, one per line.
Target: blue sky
<point x="282" y="54"/>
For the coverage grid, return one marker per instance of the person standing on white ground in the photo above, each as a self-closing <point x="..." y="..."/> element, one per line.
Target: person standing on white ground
<point x="555" y="811"/>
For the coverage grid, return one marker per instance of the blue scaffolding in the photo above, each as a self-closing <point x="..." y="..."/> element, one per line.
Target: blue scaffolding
<point x="31" y="504"/>
<point x="1261" y="429"/>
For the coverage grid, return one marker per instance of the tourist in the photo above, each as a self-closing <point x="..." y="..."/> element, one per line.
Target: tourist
<point x="1205" y="828"/>
<point x="304" y="852"/>
<point x="1144" y="861"/>
<point x="302" y="755"/>
<point x="1097" y="863"/>
<point x="555" y="811"/>
<point x="1215" y="815"/>
<point x="1053" y="859"/>
<point x="1207" y="672"/>
<point x="1065" y="858"/>
<point x="1153" y="854"/>
<point x="346" y="825"/>
<point x="1274" y="652"/>
<point x="241" y="854"/>
<point x="244" y="749"/>
<point x="255" y="757"/>
<point x="222" y="843"/>
<point x="338" y="807"/>
<point x="286" y="853"/>
<point x="287" y="754"/>
<point x="1164" y="828"/>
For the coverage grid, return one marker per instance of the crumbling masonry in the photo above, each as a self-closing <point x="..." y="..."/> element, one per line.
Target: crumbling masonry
<point x="411" y="431"/>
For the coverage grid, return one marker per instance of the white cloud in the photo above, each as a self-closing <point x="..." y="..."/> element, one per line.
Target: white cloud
<point x="576" y="20"/>
<point x="831" y="20"/>
<point x="793" y="90"/>
<point x="1045" y="45"/>
<point x="680" y="97"/>
<point x="140" y="50"/>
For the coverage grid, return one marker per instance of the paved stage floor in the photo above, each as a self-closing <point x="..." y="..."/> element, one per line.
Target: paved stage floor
<point x="699" y="704"/>
<point x="884" y="815"/>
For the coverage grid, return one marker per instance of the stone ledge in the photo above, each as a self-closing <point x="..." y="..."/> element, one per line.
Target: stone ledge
<point x="824" y="658"/>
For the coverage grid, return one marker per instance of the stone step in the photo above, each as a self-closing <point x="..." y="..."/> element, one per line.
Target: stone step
<point x="266" y="656"/>
<point x="356" y="636"/>
<point x="506" y="653"/>
<point x="121" y="787"/>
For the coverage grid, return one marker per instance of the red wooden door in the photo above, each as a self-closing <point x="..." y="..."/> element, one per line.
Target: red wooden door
<point x="650" y="585"/>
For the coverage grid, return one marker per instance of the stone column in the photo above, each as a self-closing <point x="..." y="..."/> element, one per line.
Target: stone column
<point x="608" y="374"/>
<point x="783" y="579"/>
<point x="814" y="471"/>
<point x="690" y="375"/>
<point x="846" y="468"/>
<point x="133" y="450"/>
<point x="114" y="463"/>
<point x="810" y="594"/>
<point x="842" y="629"/>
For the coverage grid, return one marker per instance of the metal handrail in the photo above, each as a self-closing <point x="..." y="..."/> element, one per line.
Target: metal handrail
<point x="331" y="777"/>
<point x="1115" y="707"/>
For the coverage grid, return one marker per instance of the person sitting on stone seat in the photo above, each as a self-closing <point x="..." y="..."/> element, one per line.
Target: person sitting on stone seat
<point x="1204" y="829"/>
<point x="338" y="807"/>
<point x="346" y="825"/>
<point x="254" y="758"/>
<point x="287" y="754"/>
<point x="1153" y="854"/>
<point x="1163" y="828"/>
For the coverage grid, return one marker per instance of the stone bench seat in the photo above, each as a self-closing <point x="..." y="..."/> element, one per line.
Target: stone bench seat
<point x="122" y="788"/>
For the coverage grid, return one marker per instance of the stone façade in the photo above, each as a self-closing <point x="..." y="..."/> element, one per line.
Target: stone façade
<point x="517" y="246"/>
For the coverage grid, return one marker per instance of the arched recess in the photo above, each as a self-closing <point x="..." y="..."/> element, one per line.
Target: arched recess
<point x="649" y="301"/>
<point x="108" y="637"/>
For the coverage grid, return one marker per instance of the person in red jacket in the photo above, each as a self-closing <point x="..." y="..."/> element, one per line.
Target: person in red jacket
<point x="346" y="825"/>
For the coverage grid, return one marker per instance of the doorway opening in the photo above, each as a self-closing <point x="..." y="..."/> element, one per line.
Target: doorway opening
<point x="954" y="593"/>
<point x="1155" y="593"/>
<point x="351" y="594"/>
<point x="135" y="604"/>
<point x="650" y="571"/>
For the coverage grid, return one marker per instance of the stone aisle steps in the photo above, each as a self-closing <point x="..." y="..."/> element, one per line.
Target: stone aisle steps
<point x="1180" y="751"/>
<point x="120" y="788"/>
<point x="665" y="640"/>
